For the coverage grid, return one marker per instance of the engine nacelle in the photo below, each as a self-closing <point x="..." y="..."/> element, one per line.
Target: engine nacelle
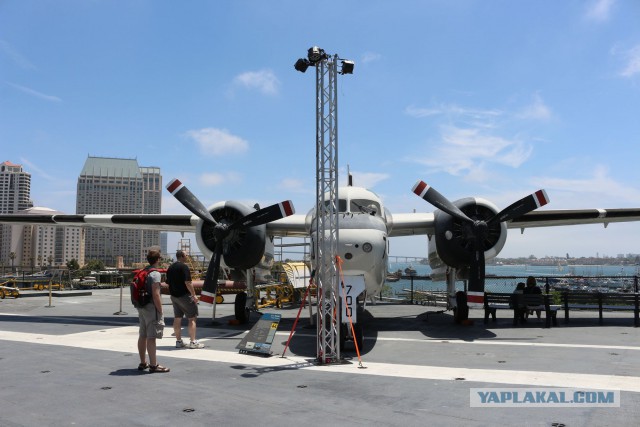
<point x="451" y="244"/>
<point x="243" y="248"/>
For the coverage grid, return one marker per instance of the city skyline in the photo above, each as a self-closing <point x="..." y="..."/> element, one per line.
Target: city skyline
<point x="118" y="186"/>
<point x="493" y="99"/>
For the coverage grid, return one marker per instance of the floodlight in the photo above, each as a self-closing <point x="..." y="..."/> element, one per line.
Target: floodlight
<point x="316" y="54"/>
<point x="301" y="65"/>
<point x="347" y="66"/>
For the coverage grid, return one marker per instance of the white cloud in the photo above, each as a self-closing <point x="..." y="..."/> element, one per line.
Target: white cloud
<point x="15" y="56"/>
<point x="537" y="110"/>
<point x="215" y="179"/>
<point x="370" y="57"/>
<point x="218" y="142"/>
<point x="35" y="93"/>
<point x="632" y="66"/>
<point x="265" y="81"/>
<point x="39" y="171"/>
<point x="466" y="151"/>
<point x="293" y="185"/>
<point x="599" y="186"/>
<point x="368" y="179"/>
<point x="599" y="10"/>
<point x="452" y="110"/>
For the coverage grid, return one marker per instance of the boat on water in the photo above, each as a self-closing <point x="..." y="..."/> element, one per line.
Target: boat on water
<point x="410" y="271"/>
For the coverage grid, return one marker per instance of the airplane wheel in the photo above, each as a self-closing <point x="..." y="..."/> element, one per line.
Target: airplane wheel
<point x="240" y="308"/>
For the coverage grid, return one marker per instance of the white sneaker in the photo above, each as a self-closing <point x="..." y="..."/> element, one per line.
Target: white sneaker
<point x="180" y="344"/>
<point x="196" y="344"/>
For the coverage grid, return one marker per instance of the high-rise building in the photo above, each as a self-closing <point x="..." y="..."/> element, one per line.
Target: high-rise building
<point x="118" y="186"/>
<point x="46" y="245"/>
<point x="15" y="195"/>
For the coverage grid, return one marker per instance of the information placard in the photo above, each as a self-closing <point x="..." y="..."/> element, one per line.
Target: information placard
<point x="260" y="337"/>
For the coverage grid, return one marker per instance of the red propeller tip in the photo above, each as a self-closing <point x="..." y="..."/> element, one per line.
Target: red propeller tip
<point x="541" y="198"/>
<point x="286" y="208"/>
<point x="420" y="188"/>
<point x="174" y="185"/>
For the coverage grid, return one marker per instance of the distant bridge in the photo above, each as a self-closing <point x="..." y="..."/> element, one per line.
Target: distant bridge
<point x="413" y="259"/>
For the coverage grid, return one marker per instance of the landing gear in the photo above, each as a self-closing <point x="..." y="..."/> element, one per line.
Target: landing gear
<point x="240" y="308"/>
<point x="461" y="311"/>
<point x="356" y="336"/>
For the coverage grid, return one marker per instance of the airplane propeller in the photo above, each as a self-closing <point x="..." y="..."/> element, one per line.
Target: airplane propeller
<point x="221" y="230"/>
<point x="476" y="230"/>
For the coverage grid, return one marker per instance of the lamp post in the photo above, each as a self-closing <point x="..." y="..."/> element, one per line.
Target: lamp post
<point x="325" y="223"/>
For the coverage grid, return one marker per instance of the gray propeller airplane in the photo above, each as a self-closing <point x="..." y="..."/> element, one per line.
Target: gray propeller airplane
<point x="462" y="234"/>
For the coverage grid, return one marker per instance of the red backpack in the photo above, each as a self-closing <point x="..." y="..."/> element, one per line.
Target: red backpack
<point x="140" y="288"/>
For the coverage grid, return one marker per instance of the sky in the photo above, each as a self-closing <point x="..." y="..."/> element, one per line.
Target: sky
<point x="493" y="99"/>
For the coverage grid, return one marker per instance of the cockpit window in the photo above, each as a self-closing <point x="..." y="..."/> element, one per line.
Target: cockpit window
<point x="365" y="206"/>
<point x="342" y="205"/>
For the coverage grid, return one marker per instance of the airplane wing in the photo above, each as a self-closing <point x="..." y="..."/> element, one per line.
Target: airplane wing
<point x="409" y="224"/>
<point x="182" y="223"/>
<point x="293" y="225"/>
<point x="551" y="218"/>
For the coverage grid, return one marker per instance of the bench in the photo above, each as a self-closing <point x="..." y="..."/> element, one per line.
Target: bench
<point x="601" y="302"/>
<point x="520" y="303"/>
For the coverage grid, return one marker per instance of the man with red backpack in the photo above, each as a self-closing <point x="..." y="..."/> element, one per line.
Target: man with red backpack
<point x="151" y="317"/>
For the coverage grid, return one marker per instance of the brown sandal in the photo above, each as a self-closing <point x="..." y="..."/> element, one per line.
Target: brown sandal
<point x="143" y="366"/>
<point x="158" y="368"/>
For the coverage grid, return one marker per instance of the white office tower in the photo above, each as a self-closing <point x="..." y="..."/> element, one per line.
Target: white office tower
<point x="15" y="195"/>
<point x="118" y="186"/>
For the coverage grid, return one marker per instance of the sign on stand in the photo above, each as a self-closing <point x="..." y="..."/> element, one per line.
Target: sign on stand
<point x="260" y="337"/>
<point x="353" y="286"/>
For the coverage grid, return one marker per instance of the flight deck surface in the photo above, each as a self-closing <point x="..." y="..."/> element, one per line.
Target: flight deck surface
<point x="74" y="363"/>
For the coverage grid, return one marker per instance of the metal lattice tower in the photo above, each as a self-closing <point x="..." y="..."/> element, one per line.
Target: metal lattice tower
<point x="326" y="220"/>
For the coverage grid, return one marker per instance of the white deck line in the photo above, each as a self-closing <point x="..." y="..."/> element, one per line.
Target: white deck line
<point x="123" y="340"/>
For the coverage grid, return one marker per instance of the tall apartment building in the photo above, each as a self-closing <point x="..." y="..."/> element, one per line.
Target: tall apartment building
<point x="118" y="186"/>
<point x="15" y="195"/>
<point x="46" y="245"/>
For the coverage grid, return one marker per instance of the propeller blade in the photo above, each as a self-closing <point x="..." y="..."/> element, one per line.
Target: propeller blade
<point x="210" y="285"/>
<point x="432" y="196"/>
<point x="189" y="201"/>
<point x="522" y="206"/>
<point x="265" y="215"/>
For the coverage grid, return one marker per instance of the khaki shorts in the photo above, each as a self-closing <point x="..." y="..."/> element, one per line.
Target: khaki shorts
<point x="151" y="322"/>
<point x="184" y="306"/>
